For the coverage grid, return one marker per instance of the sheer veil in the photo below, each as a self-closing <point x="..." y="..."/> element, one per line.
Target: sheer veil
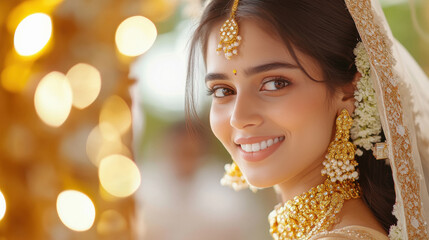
<point x="402" y="91"/>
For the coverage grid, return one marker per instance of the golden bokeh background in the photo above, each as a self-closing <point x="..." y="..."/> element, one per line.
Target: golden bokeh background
<point x="92" y="139"/>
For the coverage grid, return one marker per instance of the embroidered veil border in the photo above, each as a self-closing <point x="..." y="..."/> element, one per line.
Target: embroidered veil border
<point x="404" y="111"/>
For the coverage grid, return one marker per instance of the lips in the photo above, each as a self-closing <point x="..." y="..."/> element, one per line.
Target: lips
<point x="258" y="148"/>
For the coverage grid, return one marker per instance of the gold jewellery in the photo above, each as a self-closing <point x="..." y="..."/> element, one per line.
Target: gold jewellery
<point x="340" y="161"/>
<point x="316" y="210"/>
<point x="311" y="212"/>
<point x="229" y="38"/>
<point x="233" y="177"/>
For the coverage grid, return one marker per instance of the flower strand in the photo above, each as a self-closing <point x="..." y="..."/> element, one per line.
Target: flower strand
<point x="366" y="127"/>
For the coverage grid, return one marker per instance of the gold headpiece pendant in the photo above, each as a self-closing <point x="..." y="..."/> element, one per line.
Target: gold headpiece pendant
<point x="229" y="38"/>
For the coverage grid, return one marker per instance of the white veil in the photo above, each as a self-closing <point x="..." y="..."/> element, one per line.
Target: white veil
<point x="402" y="91"/>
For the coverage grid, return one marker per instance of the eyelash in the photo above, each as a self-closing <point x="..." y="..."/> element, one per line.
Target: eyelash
<point x="211" y="91"/>
<point x="275" y="79"/>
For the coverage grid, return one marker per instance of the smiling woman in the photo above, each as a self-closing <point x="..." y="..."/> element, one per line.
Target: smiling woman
<point x="270" y="98"/>
<point x="293" y="104"/>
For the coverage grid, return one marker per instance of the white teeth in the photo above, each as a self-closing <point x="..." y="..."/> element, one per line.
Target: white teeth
<point x="263" y="145"/>
<point x="247" y="147"/>
<point x="255" y="147"/>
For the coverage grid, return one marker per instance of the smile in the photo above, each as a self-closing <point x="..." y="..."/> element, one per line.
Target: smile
<point x="259" y="146"/>
<point x="256" y="149"/>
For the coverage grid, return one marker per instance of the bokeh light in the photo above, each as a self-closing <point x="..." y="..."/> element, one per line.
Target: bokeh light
<point x="119" y="175"/>
<point x="75" y="210"/>
<point x="115" y="112"/>
<point x="85" y="81"/>
<point x="53" y="99"/>
<point x="135" y="35"/>
<point x="32" y="34"/>
<point x="109" y="132"/>
<point x="26" y="8"/>
<point x="100" y="145"/>
<point x="2" y="206"/>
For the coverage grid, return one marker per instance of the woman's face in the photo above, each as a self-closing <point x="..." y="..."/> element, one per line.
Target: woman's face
<point x="275" y="121"/>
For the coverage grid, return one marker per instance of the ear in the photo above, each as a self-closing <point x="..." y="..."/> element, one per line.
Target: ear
<point x="347" y="95"/>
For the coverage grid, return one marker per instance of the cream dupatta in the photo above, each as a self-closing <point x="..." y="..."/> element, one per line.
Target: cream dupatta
<point x="402" y="91"/>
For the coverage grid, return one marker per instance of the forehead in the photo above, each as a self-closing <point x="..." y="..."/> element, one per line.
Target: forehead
<point x="257" y="46"/>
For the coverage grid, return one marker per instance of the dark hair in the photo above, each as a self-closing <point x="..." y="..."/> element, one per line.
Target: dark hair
<point x="323" y="30"/>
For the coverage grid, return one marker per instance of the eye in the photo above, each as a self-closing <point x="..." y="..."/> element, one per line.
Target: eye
<point x="220" y="92"/>
<point x="275" y="84"/>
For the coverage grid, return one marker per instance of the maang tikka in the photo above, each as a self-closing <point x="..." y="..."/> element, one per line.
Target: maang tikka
<point x="229" y="38"/>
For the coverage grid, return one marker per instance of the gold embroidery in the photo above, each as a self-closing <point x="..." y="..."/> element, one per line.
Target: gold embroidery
<point x="379" y="52"/>
<point x="349" y="233"/>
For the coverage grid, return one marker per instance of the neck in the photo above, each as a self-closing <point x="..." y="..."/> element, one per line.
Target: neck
<point x="302" y="182"/>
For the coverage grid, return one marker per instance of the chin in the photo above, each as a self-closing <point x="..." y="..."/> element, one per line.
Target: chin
<point x="260" y="180"/>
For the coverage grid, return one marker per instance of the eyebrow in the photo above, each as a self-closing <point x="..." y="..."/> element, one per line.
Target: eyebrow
<point x="216" y="76"/>
<point x="253" y="70"/>
<point x="268" y="67"/>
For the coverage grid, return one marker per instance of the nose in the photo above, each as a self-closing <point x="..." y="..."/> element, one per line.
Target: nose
<point x="246" y="112"/>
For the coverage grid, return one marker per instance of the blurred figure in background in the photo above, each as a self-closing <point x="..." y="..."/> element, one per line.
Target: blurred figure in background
<point x="181" y="197"/>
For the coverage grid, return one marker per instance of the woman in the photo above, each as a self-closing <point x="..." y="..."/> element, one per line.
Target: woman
<point x="300" y="91"/>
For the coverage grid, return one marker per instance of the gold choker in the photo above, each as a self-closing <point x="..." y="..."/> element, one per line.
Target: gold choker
<point x="311" y="212"/>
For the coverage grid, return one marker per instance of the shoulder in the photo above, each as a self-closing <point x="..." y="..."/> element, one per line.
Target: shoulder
<point x="351" y="233"/>
<point x="356" y="213"/>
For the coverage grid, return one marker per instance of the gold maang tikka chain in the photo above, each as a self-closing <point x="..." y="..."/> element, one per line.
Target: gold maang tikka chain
<point x="315" y="211"/>
<point x="229" y="38"/>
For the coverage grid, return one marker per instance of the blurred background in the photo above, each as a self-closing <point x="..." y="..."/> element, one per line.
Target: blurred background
<point x="93" y="143"/>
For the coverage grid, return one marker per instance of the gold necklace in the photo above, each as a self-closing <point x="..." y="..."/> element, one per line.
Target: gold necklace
<point x="311" y="212"/>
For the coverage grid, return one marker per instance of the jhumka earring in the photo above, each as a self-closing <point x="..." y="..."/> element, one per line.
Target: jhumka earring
<point x="229" y="38"/>
<point x="340" y="162"/>
<point x="234" y="178"/>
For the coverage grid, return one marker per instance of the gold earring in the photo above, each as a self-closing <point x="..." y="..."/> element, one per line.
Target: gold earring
<point x="340" y="163"/>
<point x="234" y="178"/>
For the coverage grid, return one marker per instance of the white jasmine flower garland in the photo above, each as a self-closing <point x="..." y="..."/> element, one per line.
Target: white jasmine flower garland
<point x="395" y="231"/>
<point x="366" y="127"/>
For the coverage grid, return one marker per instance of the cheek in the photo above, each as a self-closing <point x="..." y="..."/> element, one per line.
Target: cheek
<point x="307" y="119"/>
<point x="314" y="114"/>
<point x="302" y="108"/>
<point x="219" y="123"/>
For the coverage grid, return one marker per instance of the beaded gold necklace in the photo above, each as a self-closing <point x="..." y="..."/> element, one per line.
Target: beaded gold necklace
<point x="311" y="212"/>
